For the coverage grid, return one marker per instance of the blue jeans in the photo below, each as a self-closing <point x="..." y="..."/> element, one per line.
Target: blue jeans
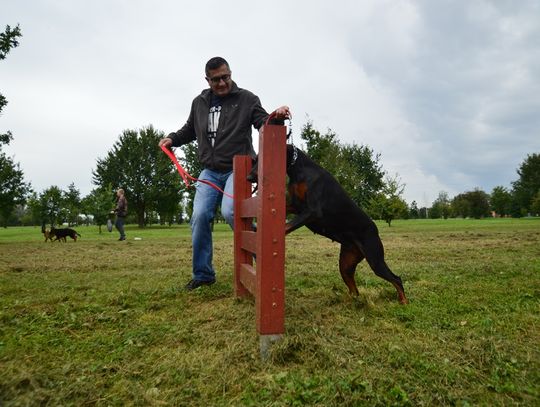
<point x="120" y="220"/>
<point x="204" y="207"/>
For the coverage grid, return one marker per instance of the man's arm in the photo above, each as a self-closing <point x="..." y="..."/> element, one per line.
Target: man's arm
<point x="183" y="136"/>
<point x="260" y="115"/>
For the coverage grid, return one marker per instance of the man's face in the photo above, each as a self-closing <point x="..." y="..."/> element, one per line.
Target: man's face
<point x="220" y="80"/>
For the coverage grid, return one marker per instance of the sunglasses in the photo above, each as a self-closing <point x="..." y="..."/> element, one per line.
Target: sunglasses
<point x="216" y="79"/>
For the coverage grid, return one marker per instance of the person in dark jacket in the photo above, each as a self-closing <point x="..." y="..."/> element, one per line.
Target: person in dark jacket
<point x="121" y="213"/>
<point x="221" y="120"/>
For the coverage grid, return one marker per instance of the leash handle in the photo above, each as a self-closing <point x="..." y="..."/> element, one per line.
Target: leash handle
<point x="185" y="175"/>
<point x="274" y="114"/>
<point x="179" y="168"/>
<point x="270" y="117"/>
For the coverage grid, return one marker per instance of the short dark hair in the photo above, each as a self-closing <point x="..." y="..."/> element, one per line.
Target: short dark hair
<point x="215" y="63"/>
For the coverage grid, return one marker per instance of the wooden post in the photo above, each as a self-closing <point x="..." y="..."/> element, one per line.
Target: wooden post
<point x="266" y="281"/>
<point x="244" y="237"/>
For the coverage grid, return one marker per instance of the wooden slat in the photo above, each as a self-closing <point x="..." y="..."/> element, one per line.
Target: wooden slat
<point x="248" y="277"/>
<point x="248" y="207"/>
<point x="249" y="241"/>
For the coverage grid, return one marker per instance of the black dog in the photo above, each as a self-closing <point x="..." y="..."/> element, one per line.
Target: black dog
<point x="61" y="234"/>
<point x="320" y="203"/>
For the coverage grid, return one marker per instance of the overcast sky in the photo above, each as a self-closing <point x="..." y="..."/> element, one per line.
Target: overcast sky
<point x="448" y="92"/>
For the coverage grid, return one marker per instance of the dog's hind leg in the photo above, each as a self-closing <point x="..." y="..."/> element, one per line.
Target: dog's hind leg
<point x="374" y="250"/>
<point x="349" y="257"/>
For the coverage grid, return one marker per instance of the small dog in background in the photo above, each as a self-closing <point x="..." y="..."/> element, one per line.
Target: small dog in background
<point x="46" y="233"/>
<point x="61" y="234"/>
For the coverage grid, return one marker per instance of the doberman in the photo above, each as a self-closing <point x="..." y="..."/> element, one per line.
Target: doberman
<point x="62" y="234"/>
<point x="319" y="202"/>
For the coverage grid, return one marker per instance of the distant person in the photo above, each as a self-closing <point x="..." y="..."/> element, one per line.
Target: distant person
<point x="121" y="213"/>
<point x="220" y="120"/>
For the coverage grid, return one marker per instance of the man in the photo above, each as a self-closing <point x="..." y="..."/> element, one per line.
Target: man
<point x="220" y="120"/>
<point x="121" y="213"/>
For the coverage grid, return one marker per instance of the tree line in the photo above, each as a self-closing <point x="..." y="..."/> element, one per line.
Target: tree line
<point x="522" y="199"/>
<point x="359" y="171"/>
<point x="152" y="187"/>
<point x="156" y="194"/>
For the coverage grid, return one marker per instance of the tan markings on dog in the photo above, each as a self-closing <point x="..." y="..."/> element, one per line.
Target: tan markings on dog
<point x="299" y="190"/>
<point x="47" y="235"/>
<point x="401" y="294"/>
<point x="349" y="257"/>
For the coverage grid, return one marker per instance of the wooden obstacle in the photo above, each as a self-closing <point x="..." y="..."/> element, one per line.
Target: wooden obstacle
<point x="266" y="279"/>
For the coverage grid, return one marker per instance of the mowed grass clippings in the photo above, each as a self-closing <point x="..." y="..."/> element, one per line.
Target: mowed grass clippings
<point x="102" y="322"/>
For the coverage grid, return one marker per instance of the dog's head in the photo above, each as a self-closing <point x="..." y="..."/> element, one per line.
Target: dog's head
<point x="292" y="155"/>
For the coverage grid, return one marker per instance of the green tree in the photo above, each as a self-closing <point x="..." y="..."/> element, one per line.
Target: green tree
<point x="168" y="207"/>
<point x="51" y="206"/>
<point x="363" y="176"/>
<point x="414" y="212"/>
<point x="35" y="213"/>
<point x="473" y="204"/>
<point x="99" y="203"/>
<point x="13" y="188"/>
<point x="23" y="215"/>
<point x="138" y="165"/>
<point x="535" y="205"/>
<point x="354" y="166"/>
<point x="388" y="204"/>
<point x="423" y="213"/>
<point x="190" y="162"/>
<point x="501" y="201"/>
<point x="441" y="206"/>
<point x="72" y="204"/>
<point x="528" y="184"/>
<point x="8" y="40"/>
<point x="324" y="149"/>
<point x="460" y="206"/>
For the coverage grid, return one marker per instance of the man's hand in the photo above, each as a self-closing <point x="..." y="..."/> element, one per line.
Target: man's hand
<point x="283" y="113"/>
<point x="167" y="142"/>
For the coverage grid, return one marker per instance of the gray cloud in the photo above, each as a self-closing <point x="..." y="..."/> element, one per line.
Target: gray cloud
<point x="447" y="92"/>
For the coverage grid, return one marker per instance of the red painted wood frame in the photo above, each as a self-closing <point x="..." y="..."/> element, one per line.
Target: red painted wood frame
<point x="266" y="280"/>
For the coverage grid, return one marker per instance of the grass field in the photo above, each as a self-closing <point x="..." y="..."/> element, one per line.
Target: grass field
<point x="102" y="322"/>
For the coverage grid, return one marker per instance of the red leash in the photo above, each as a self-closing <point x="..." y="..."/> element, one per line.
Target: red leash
<point x="185" y="176"/>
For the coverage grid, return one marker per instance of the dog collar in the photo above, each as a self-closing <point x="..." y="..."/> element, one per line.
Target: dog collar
<point x="295" y="156"/>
